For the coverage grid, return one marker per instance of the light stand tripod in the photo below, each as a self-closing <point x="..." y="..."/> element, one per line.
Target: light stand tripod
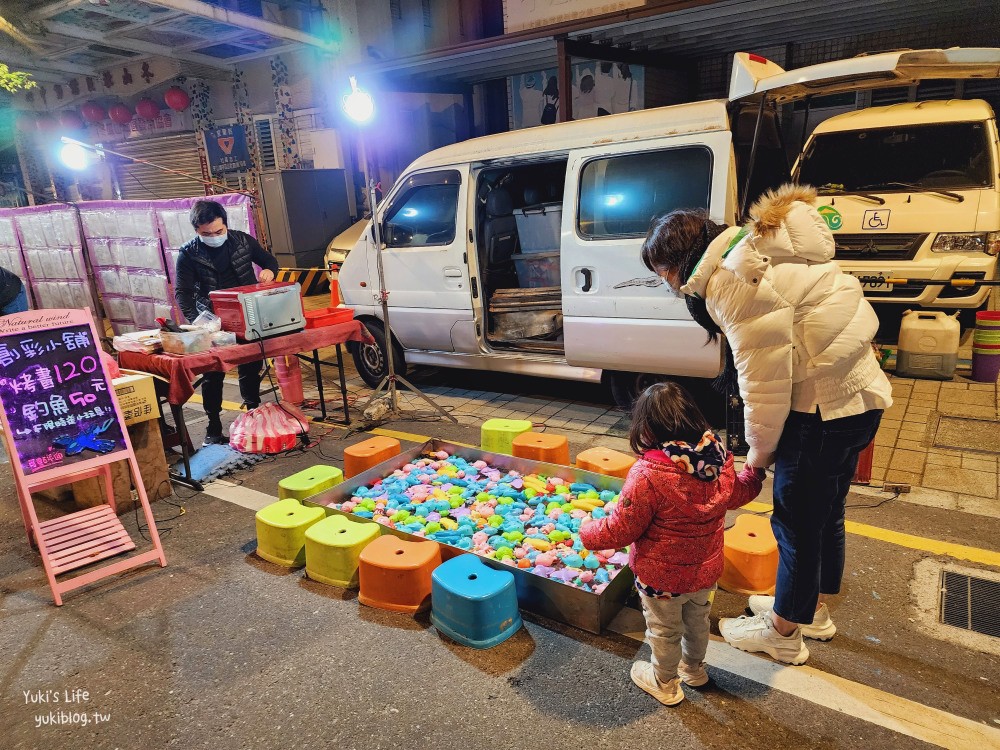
<point x="391" y="378"/>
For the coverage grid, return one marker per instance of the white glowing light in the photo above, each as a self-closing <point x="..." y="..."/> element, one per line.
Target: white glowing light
<point x="359" y="105"/>
<point x="614" y="200"/>
<point x="74" y="156"/>
<point x="409" y="213"/>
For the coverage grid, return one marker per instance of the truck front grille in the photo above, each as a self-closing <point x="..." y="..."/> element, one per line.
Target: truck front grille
<point x="878" y="247"/>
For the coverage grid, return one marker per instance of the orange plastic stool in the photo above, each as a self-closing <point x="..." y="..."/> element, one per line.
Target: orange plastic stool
<point x="542" y="446"/>
<point x="751" y="556"/>
<point x="605" y="461"/>
<point x="362" y="456"/>
<point x="396" y="575"/>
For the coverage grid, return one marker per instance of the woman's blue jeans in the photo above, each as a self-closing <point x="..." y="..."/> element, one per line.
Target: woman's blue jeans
<point x="815" y="463"/>
<point x="18" y="304"/>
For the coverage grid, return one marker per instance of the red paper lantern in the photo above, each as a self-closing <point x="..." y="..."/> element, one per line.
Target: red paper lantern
<point x="147" y="108"/>
<point x="46" y="124"/>
<point x="177" y="99"/>
<point x="120" y="114"/>
<point x="93" y="112"/>
<point x="26" y="122"/>
<point x="70" y="120"/>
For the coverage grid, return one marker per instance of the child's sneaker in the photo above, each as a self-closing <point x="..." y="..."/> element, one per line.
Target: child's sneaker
<point x="669" y="694"/>
<point x="820" y="629"/>
<point x="757" y="633"/>
<point x="692" y="674"/>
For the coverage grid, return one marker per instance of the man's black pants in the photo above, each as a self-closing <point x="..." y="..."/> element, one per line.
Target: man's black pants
<point x="211" y="387"/>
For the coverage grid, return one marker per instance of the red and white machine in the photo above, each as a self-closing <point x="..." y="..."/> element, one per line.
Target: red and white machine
<point x="259" y="311"/>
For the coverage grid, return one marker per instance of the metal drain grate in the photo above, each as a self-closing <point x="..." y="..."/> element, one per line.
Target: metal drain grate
<point x="970" y="603"/>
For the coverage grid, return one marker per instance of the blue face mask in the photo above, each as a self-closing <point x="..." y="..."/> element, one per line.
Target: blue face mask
<point x="214" y="241"/>
<point x="669" y="286"/>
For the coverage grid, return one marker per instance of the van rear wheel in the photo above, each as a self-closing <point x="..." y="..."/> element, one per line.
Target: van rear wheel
<point x="626" y="386"/>
<point x="371" y="360"/>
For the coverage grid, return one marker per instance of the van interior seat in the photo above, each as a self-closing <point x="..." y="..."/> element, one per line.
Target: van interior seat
<point x="499" y="241"/>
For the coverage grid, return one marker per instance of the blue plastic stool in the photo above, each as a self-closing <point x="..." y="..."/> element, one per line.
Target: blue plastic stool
<point x="472" y="603"/>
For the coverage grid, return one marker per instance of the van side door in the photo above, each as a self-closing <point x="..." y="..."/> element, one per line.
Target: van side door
<point x="424" y="225"/>
<point x="617" y="313"/>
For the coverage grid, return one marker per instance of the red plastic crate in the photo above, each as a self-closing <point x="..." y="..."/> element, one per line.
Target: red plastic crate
<point x="328" y="316"/>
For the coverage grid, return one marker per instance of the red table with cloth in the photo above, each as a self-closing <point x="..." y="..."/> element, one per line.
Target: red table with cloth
<point x="181" y="371"/>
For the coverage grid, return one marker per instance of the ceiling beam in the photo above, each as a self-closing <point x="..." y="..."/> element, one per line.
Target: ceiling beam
<point x="54" y="9"/>
<point x="262" y="53"/>
<point x="244" y="21"/>
<point x="421" y="86"/>
<point x="50" y="67"/>
<point x="611" y="53"/>
<point x="133" y="45"/>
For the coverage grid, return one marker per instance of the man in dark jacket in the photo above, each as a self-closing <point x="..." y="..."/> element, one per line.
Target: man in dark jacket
<point x="13" y="296"/>
<point x="219" y="258"/>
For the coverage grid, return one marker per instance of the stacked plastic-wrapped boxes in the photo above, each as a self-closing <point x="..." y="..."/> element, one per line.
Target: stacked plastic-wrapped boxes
<point x="125" y="253"/>
<point x="10" y="248"/>
<point x="53" y="253"/>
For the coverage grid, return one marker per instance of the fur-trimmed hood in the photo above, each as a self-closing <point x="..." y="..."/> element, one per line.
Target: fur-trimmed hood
<point x="784" y="225"/>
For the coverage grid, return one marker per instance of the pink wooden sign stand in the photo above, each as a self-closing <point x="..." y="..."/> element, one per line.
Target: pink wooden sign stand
<point x="86" y="536"/>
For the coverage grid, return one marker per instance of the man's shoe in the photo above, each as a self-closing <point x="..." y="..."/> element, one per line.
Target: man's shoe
<point x="213" y="435"/>
<point x="757" y="634"/>
<point x="250" y="406"/>
<point x="693" y="675"/>
<point x="820" y="629"/>
<point x="669" y="694"/>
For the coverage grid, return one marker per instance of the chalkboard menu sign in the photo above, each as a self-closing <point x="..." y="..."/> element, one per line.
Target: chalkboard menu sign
<point x="57" y="400"/>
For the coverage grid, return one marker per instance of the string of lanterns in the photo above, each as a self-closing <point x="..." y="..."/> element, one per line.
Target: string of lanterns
<point x="93" y="113"/>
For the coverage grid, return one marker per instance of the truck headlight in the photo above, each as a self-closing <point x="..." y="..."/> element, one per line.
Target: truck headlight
<point x="967" y="242"/>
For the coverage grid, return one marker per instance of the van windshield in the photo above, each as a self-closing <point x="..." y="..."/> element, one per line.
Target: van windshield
<point x="948" y="155"/>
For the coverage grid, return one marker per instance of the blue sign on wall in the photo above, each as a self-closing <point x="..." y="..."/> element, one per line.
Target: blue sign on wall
<point x="227" y="149"/>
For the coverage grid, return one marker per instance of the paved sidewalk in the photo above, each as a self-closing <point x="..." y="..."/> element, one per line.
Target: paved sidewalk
<point x="944" y="437"/>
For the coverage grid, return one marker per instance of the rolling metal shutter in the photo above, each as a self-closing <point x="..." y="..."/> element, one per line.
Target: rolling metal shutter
<point x="142" y="182"/>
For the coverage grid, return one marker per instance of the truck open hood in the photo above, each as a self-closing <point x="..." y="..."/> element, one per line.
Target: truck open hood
<point x="753" y="75"/>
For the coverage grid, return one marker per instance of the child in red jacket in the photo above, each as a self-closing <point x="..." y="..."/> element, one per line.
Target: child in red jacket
<point x="672" y="511"/>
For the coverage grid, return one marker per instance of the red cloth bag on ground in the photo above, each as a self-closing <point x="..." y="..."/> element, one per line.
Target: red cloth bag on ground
<point x="270" y="428"/>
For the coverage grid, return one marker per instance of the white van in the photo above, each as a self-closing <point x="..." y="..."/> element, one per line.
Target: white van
<point x="519" y="252"/>
<point x="911" y="191"/>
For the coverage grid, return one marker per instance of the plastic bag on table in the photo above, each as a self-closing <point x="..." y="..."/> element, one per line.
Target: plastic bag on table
<point x="138" y="341"/>
<point x="207" y="320"/>
<point x="270" y="428"/>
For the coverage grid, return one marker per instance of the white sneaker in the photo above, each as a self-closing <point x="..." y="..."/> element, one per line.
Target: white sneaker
<point x="669" y="694"/>
<point x="757" y="633"/>
<point x="693" y="675"/>
<point x="820" y="629"/>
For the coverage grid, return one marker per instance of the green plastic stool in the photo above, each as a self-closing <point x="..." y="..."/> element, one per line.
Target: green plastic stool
<point x="309" y="482"/>
<point x="333" y="547"/>
<point x="281" y="531"/>
<point x="497" y="435"/>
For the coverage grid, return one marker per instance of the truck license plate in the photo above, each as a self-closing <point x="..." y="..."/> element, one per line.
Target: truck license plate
<point x="874" y="280"/>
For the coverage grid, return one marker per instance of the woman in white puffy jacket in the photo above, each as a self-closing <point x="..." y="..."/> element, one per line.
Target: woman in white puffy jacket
<point x="800" y="331"/>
